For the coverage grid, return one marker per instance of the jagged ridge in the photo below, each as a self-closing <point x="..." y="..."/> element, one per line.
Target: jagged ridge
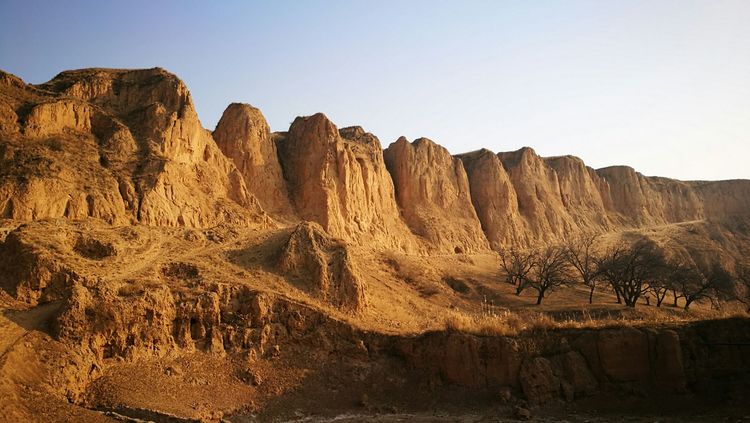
<point x="126" y="146"/>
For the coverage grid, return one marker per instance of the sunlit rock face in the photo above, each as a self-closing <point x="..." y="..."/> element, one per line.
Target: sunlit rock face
<point x="121" y="145"/>
<point x="433" y="193"/>
<point x="338" y="179"/>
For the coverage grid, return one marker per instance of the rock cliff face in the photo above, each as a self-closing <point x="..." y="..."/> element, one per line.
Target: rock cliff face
<point x="638" y="200"/>
<point x="339" y="180"/>
<point x="724" y="199"/>
<point x="574" y="364"/>
<point x="243" y="135"/>
<point x="524" y="199"/>
<point x="123" y="146"/>
<point x="432" y="190"/>
<point x="494" y="198"/>
<point x="538" y="193"/>
<point x="126" y="146"/>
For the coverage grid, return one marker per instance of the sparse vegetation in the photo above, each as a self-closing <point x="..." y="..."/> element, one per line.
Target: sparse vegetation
<point x="549" y="271"/>
<point x="581" y="257"/>
<point x="517" y="264"/>
<point x="513" y="322"/>
<point x="628" y="269"/>
<point x="633" y="271"/>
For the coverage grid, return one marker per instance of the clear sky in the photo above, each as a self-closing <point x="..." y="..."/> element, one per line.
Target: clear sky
<point x="663" y="86"/>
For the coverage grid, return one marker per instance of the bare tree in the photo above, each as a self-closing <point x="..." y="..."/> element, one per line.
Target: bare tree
<point x="580" y="256"/>
<point x="629" y="268"/>
<point x="661" y="280"/>
<point x="549" y="271"/>
<point x="676" y="295"/>
<point x="659" y="289"/>
<point x="516" y="264"/>
<point x="696" y="285"/>
<point x="607" y="270"/>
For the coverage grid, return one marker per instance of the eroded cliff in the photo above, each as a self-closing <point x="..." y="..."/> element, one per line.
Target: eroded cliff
<point x="433" y="193"/>
<point x="126" y="146"/>
<point x="338" y="179"/>
<point x="243" y="135"/>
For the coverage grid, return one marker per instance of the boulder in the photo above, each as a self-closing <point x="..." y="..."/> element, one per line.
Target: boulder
<point x="538" y="380"/>
<point x="576" y="372"/>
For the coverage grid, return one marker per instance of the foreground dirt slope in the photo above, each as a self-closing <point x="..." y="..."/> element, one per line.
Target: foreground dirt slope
<point x="222" y="322"/>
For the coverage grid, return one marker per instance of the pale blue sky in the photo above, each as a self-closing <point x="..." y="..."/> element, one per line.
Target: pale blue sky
<point x="663" y="86"/>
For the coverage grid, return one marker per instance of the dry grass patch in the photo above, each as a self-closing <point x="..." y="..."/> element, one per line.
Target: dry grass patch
<point x="510" y="323"/>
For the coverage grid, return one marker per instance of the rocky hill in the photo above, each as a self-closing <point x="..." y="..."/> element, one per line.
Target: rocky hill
<point x="126" y="146"/>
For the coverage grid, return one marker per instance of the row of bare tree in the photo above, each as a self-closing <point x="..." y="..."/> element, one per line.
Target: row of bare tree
<point x="632" y="271"/>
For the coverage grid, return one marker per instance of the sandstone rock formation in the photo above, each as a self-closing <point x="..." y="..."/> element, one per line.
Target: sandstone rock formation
<point x="339" y="180"/>
<point x="433" y="193"/>
<point x="524" y="199"/>
<point x="243" y="135"/>
<point x="124" y="146"/>
<point x="494" y="198"/>
<point x="322" y="266"/>
<point x="99" y="168"/>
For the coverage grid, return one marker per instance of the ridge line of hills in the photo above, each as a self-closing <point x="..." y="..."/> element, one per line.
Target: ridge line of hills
<point x="126" y="146"/>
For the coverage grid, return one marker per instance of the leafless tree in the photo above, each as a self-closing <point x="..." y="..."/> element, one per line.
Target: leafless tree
<point x="659" y="290"/>
<point x="517" y="264"/>
<point x="676" y="295"/>
<point x="581" y="258"/>
<point x="696" y="284"/>
<point x="549" y="271"/>
<point x="607" y="270"/>
<point x="661" y="280"/>
<point x="628" y="269"/>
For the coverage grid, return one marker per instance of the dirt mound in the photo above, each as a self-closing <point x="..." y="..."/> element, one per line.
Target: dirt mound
<point x="31" y="273"/>
<point x="322" y="266"/>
